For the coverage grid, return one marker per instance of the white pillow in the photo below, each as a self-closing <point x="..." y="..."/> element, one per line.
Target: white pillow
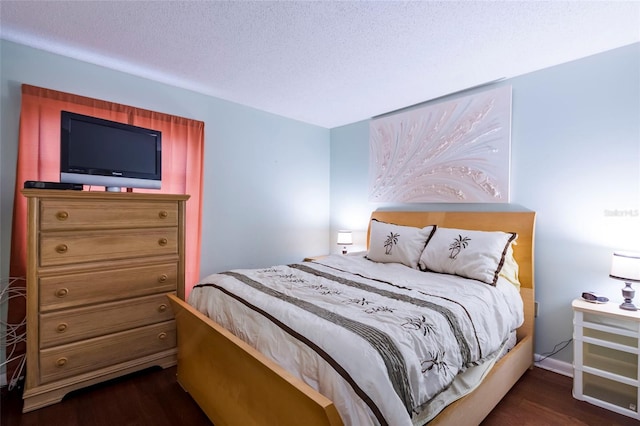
<point x="478" y="255"/>
<point x="390" y="243"/>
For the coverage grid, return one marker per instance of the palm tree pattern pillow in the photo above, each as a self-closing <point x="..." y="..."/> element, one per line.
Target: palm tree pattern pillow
<point x="390" y="243"/>
<point x="479" y="255"/>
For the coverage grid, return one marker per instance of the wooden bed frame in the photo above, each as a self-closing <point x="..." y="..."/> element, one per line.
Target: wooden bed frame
<point x="235" y="384"/>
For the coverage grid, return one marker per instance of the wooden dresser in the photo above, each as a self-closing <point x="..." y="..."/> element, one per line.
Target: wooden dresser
<point x="99" y="266"/>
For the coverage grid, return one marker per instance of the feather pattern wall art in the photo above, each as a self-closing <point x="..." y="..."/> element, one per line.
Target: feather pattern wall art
<point x="453" y="151"/>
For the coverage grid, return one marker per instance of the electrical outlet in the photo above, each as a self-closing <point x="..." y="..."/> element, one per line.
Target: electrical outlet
<point x="536" y="308"/>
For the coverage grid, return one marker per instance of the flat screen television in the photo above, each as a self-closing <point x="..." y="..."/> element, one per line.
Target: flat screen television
<point x="106" y="153"/>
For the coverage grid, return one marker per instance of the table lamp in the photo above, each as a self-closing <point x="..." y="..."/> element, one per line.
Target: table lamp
<point x="344" y="239"/>
<point x="625" y="266"/>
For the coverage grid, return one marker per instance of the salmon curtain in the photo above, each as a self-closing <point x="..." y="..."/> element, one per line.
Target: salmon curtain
<point x="39" y="159"/>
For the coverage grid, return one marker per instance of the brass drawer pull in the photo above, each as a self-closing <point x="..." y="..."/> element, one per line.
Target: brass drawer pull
<point x="162" y="308"/>
<point x="163" y="214"/>
<point x="162" y="278"/>
<point x="61" y="362"/>
<point x="62" y="248"/>
<point x="162" y="335"/>
<point x="62" y="292"/>
<point x="62" y="215"/>
<point x="163" y="241"/>
<point x="62" y="327"/>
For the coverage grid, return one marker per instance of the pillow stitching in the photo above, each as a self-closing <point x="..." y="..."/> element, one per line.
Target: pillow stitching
<point x="504" y="254"/>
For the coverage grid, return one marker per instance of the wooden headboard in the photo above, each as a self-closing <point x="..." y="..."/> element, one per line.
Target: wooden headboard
<point x="522" y="223"/>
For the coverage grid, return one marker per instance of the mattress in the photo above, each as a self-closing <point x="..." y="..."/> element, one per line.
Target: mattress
<point x="383" y="341"/>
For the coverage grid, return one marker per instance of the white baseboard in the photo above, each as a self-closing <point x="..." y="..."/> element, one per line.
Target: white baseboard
<point x="551" y="364"/>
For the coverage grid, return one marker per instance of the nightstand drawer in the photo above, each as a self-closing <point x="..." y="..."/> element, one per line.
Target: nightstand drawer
<point x="89" y="355"/>
<point x="71" y="325"/>
<point x="606" y="336"/>
<point x="58" y="214"/>
<point x="621" y="363"/>
<point x="611" y="392"/>
<point x="63" y="248"/>
<point x="65" y="291"/>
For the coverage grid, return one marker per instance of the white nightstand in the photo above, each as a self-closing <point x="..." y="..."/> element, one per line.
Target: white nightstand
<point x="606" y="350"/>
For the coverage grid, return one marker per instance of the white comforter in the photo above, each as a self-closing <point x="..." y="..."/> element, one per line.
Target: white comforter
<point x="380" y="340"/>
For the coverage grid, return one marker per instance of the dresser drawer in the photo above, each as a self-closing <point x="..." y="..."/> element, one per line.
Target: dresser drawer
<point x="65" y="291"/>
<point x="56" y="214"/>
<point x="63" y="248"/>
<point x="57" y="328"/>
<point x="76" y="358"/>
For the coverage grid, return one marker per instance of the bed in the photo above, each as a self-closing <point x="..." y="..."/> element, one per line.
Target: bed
<point x="236" y="384"/>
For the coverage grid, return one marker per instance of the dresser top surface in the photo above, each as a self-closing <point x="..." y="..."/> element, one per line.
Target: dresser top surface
<point x="102" y="195"/>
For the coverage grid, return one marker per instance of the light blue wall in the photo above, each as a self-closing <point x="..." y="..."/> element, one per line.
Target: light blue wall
<point x="575" y="159"/>
<point x="266" y="178"/>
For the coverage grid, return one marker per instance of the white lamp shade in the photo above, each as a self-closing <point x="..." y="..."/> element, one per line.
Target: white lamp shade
<point x="344" y="238"/>
<point x="625" y="266"/>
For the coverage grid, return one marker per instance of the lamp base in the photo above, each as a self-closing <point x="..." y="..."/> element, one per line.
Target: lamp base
<point x="628" y="306"/>
<point x="628" y="292"/>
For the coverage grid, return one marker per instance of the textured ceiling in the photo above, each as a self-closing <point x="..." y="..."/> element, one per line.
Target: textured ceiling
<point x="321" y="62"/>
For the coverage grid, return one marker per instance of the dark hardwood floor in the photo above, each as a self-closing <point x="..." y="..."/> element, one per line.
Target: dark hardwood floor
<point x="153" y="397"/>
<point x="543" y="398"/>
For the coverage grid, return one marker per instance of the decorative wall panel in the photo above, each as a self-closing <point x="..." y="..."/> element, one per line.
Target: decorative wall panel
<point x="453" y="151"/>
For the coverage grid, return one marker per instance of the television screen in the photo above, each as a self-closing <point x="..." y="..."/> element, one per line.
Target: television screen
<point x="100" y="152"/>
